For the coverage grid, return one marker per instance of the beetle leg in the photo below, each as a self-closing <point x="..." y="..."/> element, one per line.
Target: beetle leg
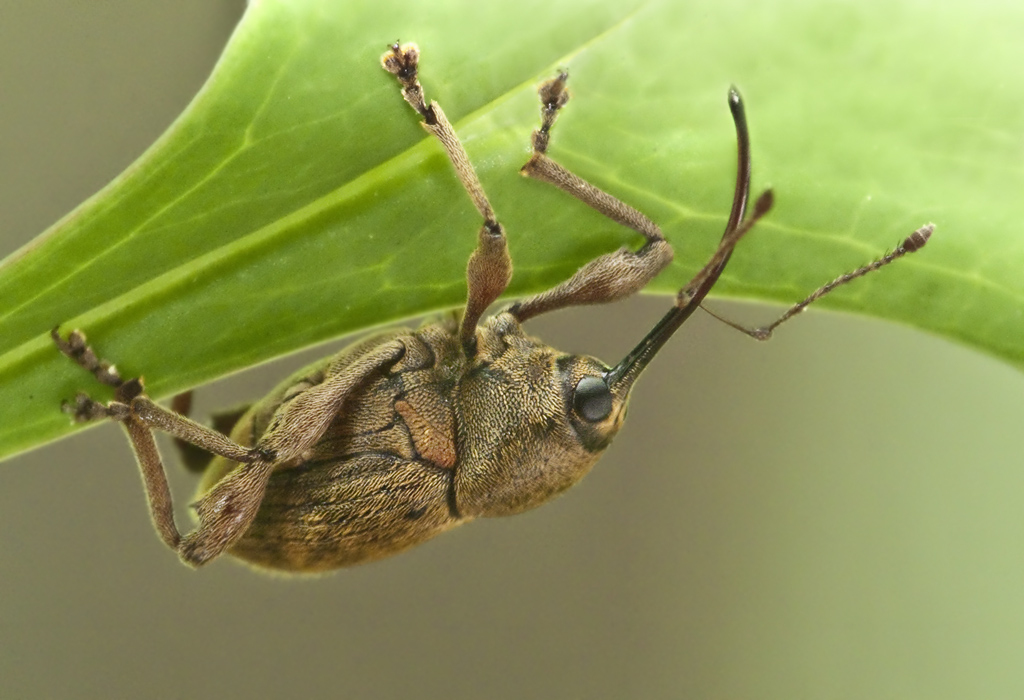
<point x="228" y="509"/>
<point x="490" y="267"/>
<point x="85" y="409"/>
<point x="139" y="415"/>
<point x="158" y="493"/>
<point x="299" y="423"/>
<point x="193" y="457"/>
<point x="609" y="277"/>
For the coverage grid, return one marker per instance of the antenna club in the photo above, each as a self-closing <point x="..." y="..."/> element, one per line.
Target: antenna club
<point x="915" y="241"/>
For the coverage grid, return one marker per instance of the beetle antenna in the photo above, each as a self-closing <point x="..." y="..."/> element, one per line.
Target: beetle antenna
<point x="911" y="244"/>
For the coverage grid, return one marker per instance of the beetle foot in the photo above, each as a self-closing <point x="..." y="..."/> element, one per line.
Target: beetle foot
<point x="76" y="348"/>
<point x="85" y="409"/>
<point x="402" y="60"/>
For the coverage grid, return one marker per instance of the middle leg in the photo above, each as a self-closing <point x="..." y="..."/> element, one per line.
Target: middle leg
<point x="609" y="277"/>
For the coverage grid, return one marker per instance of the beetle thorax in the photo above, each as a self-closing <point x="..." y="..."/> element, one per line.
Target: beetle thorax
<point x="518" y="443"/>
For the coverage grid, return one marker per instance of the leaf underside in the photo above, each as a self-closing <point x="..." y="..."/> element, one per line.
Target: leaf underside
<point x="297" y="199"/>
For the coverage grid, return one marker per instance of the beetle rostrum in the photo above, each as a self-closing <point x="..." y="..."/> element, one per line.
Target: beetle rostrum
<point x="408" y="433"/>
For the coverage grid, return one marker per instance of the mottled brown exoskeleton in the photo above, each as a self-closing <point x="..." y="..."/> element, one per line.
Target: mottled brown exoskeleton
<point x="409" y="433"/>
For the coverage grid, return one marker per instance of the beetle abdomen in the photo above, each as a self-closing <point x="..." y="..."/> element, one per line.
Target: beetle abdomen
<point x="323" y="515"/>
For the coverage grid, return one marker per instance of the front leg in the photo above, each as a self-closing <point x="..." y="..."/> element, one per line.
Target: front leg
<point x="490" y="268"/>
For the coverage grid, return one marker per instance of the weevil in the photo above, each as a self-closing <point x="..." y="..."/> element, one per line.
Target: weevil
<point x="409" y="433"/>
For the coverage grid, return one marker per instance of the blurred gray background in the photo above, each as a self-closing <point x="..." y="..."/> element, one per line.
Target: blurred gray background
<point x="834" y="514"/>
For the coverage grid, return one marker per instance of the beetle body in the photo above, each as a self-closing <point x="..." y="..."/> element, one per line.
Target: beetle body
<point x="425" y="444"/>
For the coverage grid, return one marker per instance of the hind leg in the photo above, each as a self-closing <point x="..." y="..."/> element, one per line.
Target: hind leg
<point x="139" y="416"/>
<point x="194" y="458"/>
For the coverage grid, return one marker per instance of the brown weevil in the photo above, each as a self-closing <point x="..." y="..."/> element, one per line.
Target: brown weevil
<point x="409" y="433"/>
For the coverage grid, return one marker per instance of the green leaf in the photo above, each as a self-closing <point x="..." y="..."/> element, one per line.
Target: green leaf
<point x="297" y="198"/>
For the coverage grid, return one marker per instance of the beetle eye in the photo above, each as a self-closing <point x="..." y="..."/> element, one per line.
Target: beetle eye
<point x="592" y="399"/>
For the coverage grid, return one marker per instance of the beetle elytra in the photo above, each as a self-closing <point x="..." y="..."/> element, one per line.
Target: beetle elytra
<point x="408" y="433"/>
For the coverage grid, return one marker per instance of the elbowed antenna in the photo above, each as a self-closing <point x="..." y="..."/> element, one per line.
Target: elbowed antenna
<point x="621" y="377"/>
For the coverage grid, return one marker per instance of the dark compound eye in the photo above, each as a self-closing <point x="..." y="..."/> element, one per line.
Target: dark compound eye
<point x="592" y="399"/>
